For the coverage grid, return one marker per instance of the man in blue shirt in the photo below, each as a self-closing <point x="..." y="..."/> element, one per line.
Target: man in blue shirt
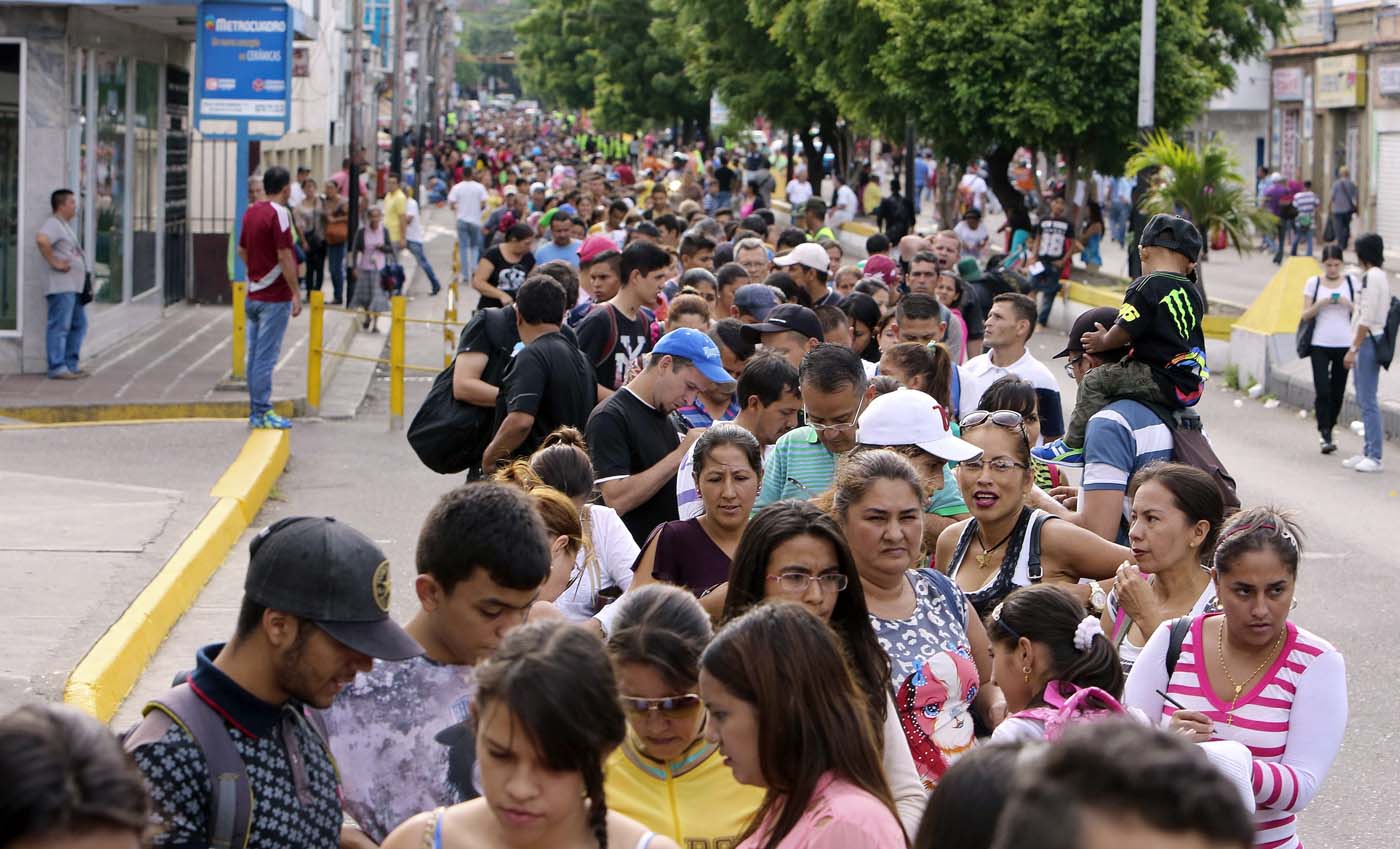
<point x="561" y="245"/>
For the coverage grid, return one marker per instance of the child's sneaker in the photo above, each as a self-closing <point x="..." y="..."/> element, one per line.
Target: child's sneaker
<point x="272" y="421"/>
<point x="1060" y="454"/>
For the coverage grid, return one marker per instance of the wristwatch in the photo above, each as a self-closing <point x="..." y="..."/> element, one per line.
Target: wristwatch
<point x="1098" y="599"/>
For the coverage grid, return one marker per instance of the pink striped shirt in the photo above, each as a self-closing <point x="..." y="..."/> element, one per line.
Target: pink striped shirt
<point x="1304" y="690"/>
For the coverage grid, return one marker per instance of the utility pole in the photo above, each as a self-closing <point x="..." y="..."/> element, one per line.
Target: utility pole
<point x="357" y="84"/>
<point x="1147" y="66"/>
<point x="425" y="10"/>
<point x="396" y="100"/>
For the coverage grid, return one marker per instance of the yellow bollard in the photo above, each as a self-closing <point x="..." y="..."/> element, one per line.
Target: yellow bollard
<point x="240" y="338"/>
<point x="397" y="310"/>
<point x="449" y="338"/>
<point x="313" y="352"/>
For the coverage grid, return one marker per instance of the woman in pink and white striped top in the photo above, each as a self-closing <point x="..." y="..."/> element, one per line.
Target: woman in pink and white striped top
<point x="1250" y="675"/>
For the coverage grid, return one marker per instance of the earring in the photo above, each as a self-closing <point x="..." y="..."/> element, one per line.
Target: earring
<point x="1026" y="674"/>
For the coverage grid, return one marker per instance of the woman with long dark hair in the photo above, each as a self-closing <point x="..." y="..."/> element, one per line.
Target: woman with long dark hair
<point x="540" y="756"/>
<point x="1327" y="302"/>
<point x="792" y="551"/>
<point x="825" y="788"/>
<point x="666" y="775"/>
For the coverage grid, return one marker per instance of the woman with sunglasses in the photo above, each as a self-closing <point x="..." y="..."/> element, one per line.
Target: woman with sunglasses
<point x="792" y="551"/>
<point x="1007" y="544"/>
<point x="793" y="722"/>
<point x="665" y="774"/>
<point x="938" y="652"/>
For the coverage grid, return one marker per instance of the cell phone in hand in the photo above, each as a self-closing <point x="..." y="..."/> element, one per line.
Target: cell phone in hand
<point x="1336" y="296"/>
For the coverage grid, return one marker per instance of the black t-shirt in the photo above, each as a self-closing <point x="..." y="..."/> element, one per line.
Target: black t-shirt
<point x="626" y="436"/>
<point x="492" y="332"/>
<point x="973" y="312"/>
<point x="505" y="275"/>
<point x="725" y="176"/>
<point x="611" y="342"/>
<point x="1053" y="236"/>
<point x="552" y="381"/>
<point x="1162" y="311"/>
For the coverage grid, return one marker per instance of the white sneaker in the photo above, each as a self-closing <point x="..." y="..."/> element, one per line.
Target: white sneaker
<point x="1367" y="465"/>
<point x="1350" y="462"/>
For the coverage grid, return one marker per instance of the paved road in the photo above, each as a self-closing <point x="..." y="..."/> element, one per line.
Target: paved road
<point x="369" y="477"/>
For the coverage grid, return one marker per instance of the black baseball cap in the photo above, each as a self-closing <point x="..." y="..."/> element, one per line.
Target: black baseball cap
<point x="785" y="317"/>
<point x="329" y="573"/>
<point x="1085" y="323"/>
<point x="1173" y="233"/>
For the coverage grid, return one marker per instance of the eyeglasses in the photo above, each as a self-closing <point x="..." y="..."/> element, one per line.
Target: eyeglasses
<point x="672" y="707"/>
<point x="1072" y="363"/>
<point x="1009" y="419"/>
<point x="1000" y="465"/>
<point x="796" y="583"/>
<point x="822" y="428"/>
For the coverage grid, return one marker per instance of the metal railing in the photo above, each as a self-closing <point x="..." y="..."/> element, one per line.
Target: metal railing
<point x="398" y="322"/>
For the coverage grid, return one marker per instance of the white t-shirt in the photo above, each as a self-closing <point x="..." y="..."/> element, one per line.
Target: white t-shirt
<point x="799" y="192"/>
<point x="845" y="206"/>
<point x="977" y="186"/>
<point x="614" y="552"/>
<point x="973" y="241"/>
<point x="467" y="198"/>
<point x="414" y="231"/>
<point x="1333" y="327"/>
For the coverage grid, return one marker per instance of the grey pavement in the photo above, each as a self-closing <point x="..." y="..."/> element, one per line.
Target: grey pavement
<point x="88" y="515"/>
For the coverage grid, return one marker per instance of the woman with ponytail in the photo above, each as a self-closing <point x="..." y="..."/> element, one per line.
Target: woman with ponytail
<point x="1052" y="662"/>
<point x="540" y="756"/>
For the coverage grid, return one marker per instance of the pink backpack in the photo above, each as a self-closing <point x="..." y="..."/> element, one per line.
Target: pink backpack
<point x="1059" y="712"/>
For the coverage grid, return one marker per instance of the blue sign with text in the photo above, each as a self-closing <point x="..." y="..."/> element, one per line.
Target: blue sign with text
<point x="243" y="60"/>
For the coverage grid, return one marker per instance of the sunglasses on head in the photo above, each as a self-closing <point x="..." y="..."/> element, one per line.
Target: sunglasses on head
<point x="670" y="706"/>
<point x="1009" y="419"/>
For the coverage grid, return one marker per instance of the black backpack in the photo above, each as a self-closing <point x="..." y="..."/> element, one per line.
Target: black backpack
<point x="448" y="435"/>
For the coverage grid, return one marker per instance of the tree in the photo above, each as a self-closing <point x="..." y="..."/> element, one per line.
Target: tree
<point x="640" y="78"/>
<point x="1206" y="186"/>
<point x="554" y="52"/>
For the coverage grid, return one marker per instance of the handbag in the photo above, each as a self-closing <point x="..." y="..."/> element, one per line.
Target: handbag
<point x="1329" y="231"/>
<point x="337" y="232"/>
<point x="1303" y="341"/>
<point x="85" y="296"/>
<point x="391" y="277"/>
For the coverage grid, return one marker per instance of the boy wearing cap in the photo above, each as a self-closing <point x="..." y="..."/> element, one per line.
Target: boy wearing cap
<point x="401" y="733"/>
<point x="600" y="267"/>
<point x="315" y="612"/>
<point x="789" y="331"/>
<point x="753" y="302"/>
<point x="633" y="440"/>
<point x="1161" y="319"/>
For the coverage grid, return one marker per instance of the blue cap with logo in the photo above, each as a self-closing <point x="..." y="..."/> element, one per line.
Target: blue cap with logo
<point x="697" y="347"/>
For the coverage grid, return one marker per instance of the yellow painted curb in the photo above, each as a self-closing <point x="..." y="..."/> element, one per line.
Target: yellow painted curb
<point x="1214" y="326"/>
<point x="111" y="668"/>
<point x="1279" y="307"/>
<point x="62" y="413"/>
<point x="112" y="423"/>
<point x="259" y="464"/>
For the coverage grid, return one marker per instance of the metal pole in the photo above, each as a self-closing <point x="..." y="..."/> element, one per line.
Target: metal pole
<point x="910" y="140"/>
<point x="396" y="101"/>
<point x="1147" y="65"/>
<point x="397" y="313"/>
<point x="352" y="182"/>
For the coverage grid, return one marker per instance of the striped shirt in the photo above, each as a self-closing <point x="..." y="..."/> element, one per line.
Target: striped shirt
<point x="800" y="467"/>
<point x="1303" y="691"/>
<point x="1120" y="439"/>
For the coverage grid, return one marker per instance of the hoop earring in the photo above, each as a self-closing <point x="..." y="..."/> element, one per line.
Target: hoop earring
<point x="1026" y="674"/>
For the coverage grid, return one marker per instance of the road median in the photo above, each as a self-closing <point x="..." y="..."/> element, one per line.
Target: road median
<point x="110" y="669"/>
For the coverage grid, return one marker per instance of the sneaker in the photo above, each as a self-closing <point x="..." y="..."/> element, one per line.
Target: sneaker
<point x="1060" y="454"/>
<point x="77" y="372"/>
<point x="1328" y="446"/>
<point x="272" y="421"/>
<point x="65" y="375"/>
<point x="1367" y="464"/>
<point x="1351" y="462"/>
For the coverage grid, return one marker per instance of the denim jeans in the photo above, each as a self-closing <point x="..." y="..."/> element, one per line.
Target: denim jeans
<point x="1047" y="283"/>
<point x="416" y="248"/>
<point x="335" y="256"/>
<point x="1367" y="375"/>
<point x="469" y="242"/>
<point x="66" y="328"/>
<point x="1299" y="234"/>
<point x="1341" y="224"/>
<point x="267" y="322"/>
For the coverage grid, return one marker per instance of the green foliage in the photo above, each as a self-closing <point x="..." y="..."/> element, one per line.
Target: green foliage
<point x="488" y="28"/>
<point x="554" y="53"/>
<point x="1207" y="185"/>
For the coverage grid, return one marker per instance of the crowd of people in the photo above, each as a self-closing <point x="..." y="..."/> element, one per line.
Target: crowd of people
<point x="761" y="546"/>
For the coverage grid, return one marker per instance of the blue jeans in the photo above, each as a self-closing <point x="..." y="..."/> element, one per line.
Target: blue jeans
<point x="416" y="248"/>
<point x="469" y="242"/>
<point x="335" y="256"/>
<point x="1341" y="224"/>
<point x="66" y="328"/>
<point x="1367" y="375"/>
<point x="1299" y="234"/>
<point x="1047" y="283"/>
<point x="267" y="322"/>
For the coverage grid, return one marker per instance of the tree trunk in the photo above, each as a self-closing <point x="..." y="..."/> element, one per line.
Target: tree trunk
<point x="947" y="194"/>
<point x="999" y="180"/>
<point x="814" y="159"/>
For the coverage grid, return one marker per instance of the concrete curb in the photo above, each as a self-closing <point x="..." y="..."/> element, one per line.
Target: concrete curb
<point x="111" y="668"/>
<point x="173" y="411"/>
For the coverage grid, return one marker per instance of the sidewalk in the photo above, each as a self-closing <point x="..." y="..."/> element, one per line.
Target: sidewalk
<point x="177" y="369"/>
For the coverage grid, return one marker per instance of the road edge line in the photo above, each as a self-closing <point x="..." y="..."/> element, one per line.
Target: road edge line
<point x="105" y="676"/>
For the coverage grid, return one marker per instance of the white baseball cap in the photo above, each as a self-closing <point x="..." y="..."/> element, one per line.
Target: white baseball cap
<point x="910" y="417"/>
<point x="809" y="254"/>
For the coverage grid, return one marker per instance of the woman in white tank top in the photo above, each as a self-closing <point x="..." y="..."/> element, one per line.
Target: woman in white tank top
<point x="1327" y="302"/>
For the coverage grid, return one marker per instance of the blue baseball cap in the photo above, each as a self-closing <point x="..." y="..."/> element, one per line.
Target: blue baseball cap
<point x="756" y="299"/>
<point x="697" y="347"/>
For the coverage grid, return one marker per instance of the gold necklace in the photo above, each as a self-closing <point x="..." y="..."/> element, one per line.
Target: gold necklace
<point x="1239" y="688"/>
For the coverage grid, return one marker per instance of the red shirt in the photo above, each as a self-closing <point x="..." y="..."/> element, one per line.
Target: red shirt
<point x="267" y="228"/>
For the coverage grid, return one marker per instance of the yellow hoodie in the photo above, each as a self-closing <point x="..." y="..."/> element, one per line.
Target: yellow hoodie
<point x="694" y="800"/>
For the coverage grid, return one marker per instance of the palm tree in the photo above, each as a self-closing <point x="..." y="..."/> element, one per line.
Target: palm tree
<point x="1204" y="186"/>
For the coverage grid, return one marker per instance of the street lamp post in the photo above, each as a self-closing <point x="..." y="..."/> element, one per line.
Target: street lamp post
<point x="1147" y="65"/>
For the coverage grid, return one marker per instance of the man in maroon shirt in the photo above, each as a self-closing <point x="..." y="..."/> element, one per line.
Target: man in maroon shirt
<point x="265" y="246"/>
